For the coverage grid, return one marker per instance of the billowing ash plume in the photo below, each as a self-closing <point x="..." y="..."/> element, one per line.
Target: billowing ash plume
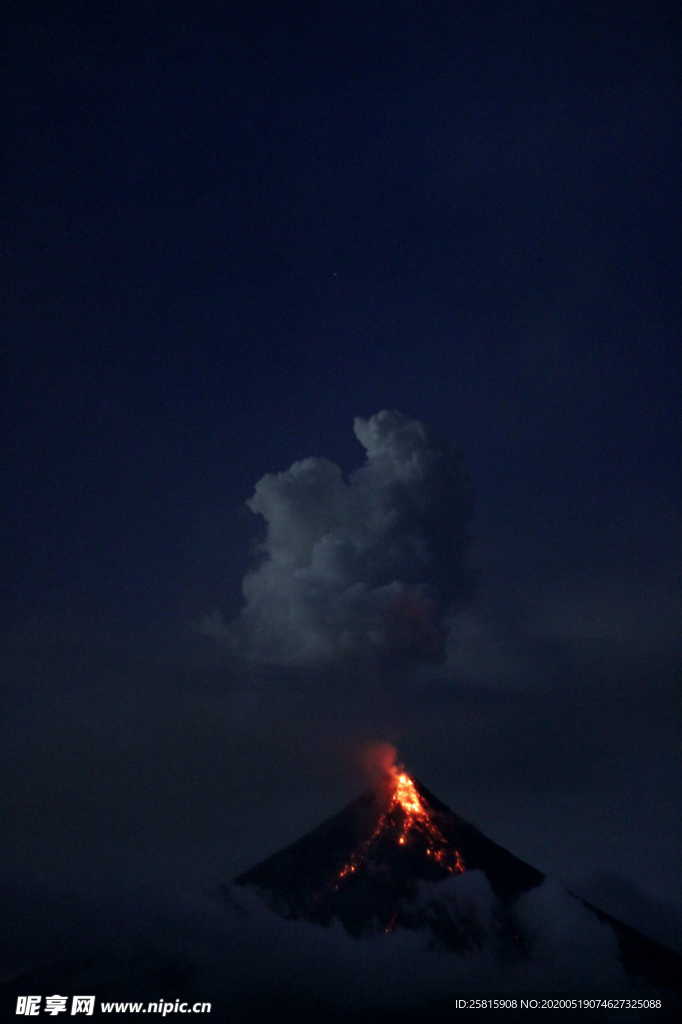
<point x="379" y="762"/>
<point x="368" y="566"/>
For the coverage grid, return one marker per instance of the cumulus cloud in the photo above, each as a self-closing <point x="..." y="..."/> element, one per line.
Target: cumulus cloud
<point x="237" y="952"/>
<point x="229" y="947"/>
<point x="370" y="566"/>
<point x="569" y="947"/>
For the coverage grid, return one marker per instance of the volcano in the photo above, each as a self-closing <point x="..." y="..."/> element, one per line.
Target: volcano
<point x="364" y="866"/>
<point x="382" y="862"/>
<point x="395" y="867"/>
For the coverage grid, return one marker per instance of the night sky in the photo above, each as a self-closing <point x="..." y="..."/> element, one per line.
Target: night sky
<point x="234" y="229"/>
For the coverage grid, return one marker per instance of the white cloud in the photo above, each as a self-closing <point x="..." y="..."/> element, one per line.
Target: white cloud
<point x="365" y="567"/>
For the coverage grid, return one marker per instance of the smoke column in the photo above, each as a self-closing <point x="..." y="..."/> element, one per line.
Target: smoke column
<point x="371" y="567"/>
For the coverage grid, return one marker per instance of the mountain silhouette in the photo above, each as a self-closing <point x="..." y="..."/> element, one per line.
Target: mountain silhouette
<point x="377" y="865"/>
<point x="395" y="864"/>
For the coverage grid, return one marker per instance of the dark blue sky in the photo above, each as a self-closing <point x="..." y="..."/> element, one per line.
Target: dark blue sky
<point x="231" y="231"/>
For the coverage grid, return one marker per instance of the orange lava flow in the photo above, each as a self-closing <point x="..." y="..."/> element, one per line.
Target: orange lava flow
<point x="407" y="808"/>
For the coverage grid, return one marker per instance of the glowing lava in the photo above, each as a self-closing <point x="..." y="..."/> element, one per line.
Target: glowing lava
<point x="407" y="818"/>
